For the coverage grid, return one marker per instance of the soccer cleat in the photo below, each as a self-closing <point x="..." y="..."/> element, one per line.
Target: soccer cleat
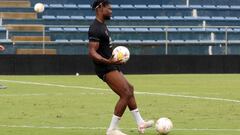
<point x="144" y="125"/>
<point x="115" y="132"/>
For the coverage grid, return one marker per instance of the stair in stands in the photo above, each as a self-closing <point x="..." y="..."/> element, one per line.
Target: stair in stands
<point x="36" y="51"/>
<point x="17" y="15"/>
<point x="25" y="27"/>
<point x="15" y="3"/>
<point x="30" y="38"/>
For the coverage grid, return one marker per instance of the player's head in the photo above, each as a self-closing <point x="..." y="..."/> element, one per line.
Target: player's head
<point x="103" y="7"/>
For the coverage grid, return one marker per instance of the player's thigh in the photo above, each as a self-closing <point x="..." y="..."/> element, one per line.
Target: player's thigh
<point x="117" y="83"/>
<point x="129" y="84"/>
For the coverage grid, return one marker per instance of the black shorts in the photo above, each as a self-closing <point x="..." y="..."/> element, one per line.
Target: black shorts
<point x="101" y="72"/>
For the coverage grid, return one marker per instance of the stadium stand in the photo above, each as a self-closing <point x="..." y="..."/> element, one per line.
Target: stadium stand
<point x="64" y="23"/>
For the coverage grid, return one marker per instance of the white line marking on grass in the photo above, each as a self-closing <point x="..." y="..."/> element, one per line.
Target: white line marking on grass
<point x="184" y="96"/>
<point x="139" y="93"/>
<point x="54" y="85"/>
<point x="21" y="95"/>
<point x="206" y="129"/>
<point x="104" y="128"/>
<point x="43" y="94"/>
<point x="54" y="127"/>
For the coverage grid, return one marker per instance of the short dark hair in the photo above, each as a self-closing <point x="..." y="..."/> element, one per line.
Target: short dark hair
<point x="97" y="3"/>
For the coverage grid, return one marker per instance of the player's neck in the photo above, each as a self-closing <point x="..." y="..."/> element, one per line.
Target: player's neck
<point x="100" y="19"/>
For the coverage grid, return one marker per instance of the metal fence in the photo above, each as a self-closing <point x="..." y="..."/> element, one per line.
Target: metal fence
<point x="175" y="40"/>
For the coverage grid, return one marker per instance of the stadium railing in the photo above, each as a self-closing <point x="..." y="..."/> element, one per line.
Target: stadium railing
<point x="226" y="38"/>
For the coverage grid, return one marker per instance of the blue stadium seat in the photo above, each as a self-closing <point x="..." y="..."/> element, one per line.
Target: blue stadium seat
<point x="55" y="6"/>
<point x="48" y="17"/>
<point x="134" y="18"/>
<point x="70" y="29"/>
<point x="181" y="6"/>
<point x="171" y="29"/>
<point x="76" y="41"/>
<point x="161" y="41"/>
<point x="195" y="6"/>
<point x="127" y="6"/>
<point x="212" y="29"/>
<point x="148" y="18"/>
<point x="198" y="29"/>
<point x="209" y="6"/>
<point x="191" y="41"/>
<point x="83" y="29"/>
<point x="127" y="30"/>
<point x="55" y="29"/>
<point x="231" y="18"/>
<point x="134" y="41"/>
<point x="234" y="42"/>
<point x="119" y="41"/>
<point x="141" y="29"/>
<point x="177" y="41"/>
<point x="83" y="6"/>
<point x="114" y="29"/>
<point x="74" y="6"/>
<point x="204" y="17"/>
<point x="140" y="6"/>
<point x="2" y="29"/>
<point x="77" y="17"/>
<point x="162" y="18"/>
<point x="168" y="6"/>
<point x="223" y="6"/>
<point x="218" y="18"/>
<point x="235" y="6"/>
<point x="46" y="5"/>
<point x="224" y="29"/>
<point x="115" y="6"/>
<point x="63" y="17"/>
<point x="184" y="29"/>
<point x="176" y="18"/>
<point x="215" y="2"/>
<point x="120" y="18"/>
<point x="149" y="41"/>
<point x="90" y="17"/>
<point x="236" y="30"/>
<point x="154" y="6"/>
<point x="61" y="40"/>
<point x="189" y="18"/>
<point x="156" y="29"/>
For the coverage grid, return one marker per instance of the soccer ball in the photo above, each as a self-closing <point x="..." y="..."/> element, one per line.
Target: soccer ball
<point x="39" y="7"/>
<point x="164" y="126"/>
<point x="121" y="53"/>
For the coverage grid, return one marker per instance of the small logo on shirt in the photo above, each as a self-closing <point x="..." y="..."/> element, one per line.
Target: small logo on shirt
<point x="106" y="32"/>
<point x="110" y="42"/>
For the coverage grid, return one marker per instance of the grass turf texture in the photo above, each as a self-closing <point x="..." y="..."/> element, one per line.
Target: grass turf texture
<point x="55" y="110"/>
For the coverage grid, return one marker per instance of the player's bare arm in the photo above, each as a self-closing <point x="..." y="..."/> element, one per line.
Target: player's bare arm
<point x="93" y="47"/>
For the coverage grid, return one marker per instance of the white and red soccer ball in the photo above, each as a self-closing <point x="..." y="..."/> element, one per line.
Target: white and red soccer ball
<point x="121" y="53"/>
<point x="164" y="126"/>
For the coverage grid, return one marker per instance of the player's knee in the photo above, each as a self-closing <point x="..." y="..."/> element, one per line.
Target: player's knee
<point x="131" y="88"/>
<point x="128" y="93"/>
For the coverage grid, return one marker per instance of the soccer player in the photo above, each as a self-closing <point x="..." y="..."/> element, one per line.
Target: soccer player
<point x="106" y="68"/>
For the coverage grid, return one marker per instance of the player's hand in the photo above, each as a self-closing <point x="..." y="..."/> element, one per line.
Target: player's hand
<point x="115" y="62"/>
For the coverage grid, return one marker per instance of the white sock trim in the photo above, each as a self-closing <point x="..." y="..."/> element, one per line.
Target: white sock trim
<point x="137" y="116"/>
<point x="114" y="122"/>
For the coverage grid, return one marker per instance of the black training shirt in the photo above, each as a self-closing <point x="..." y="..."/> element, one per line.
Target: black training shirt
<point x="98" y="32"/>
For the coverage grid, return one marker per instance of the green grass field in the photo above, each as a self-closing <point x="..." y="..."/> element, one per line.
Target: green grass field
<point x="83" y="105"/>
